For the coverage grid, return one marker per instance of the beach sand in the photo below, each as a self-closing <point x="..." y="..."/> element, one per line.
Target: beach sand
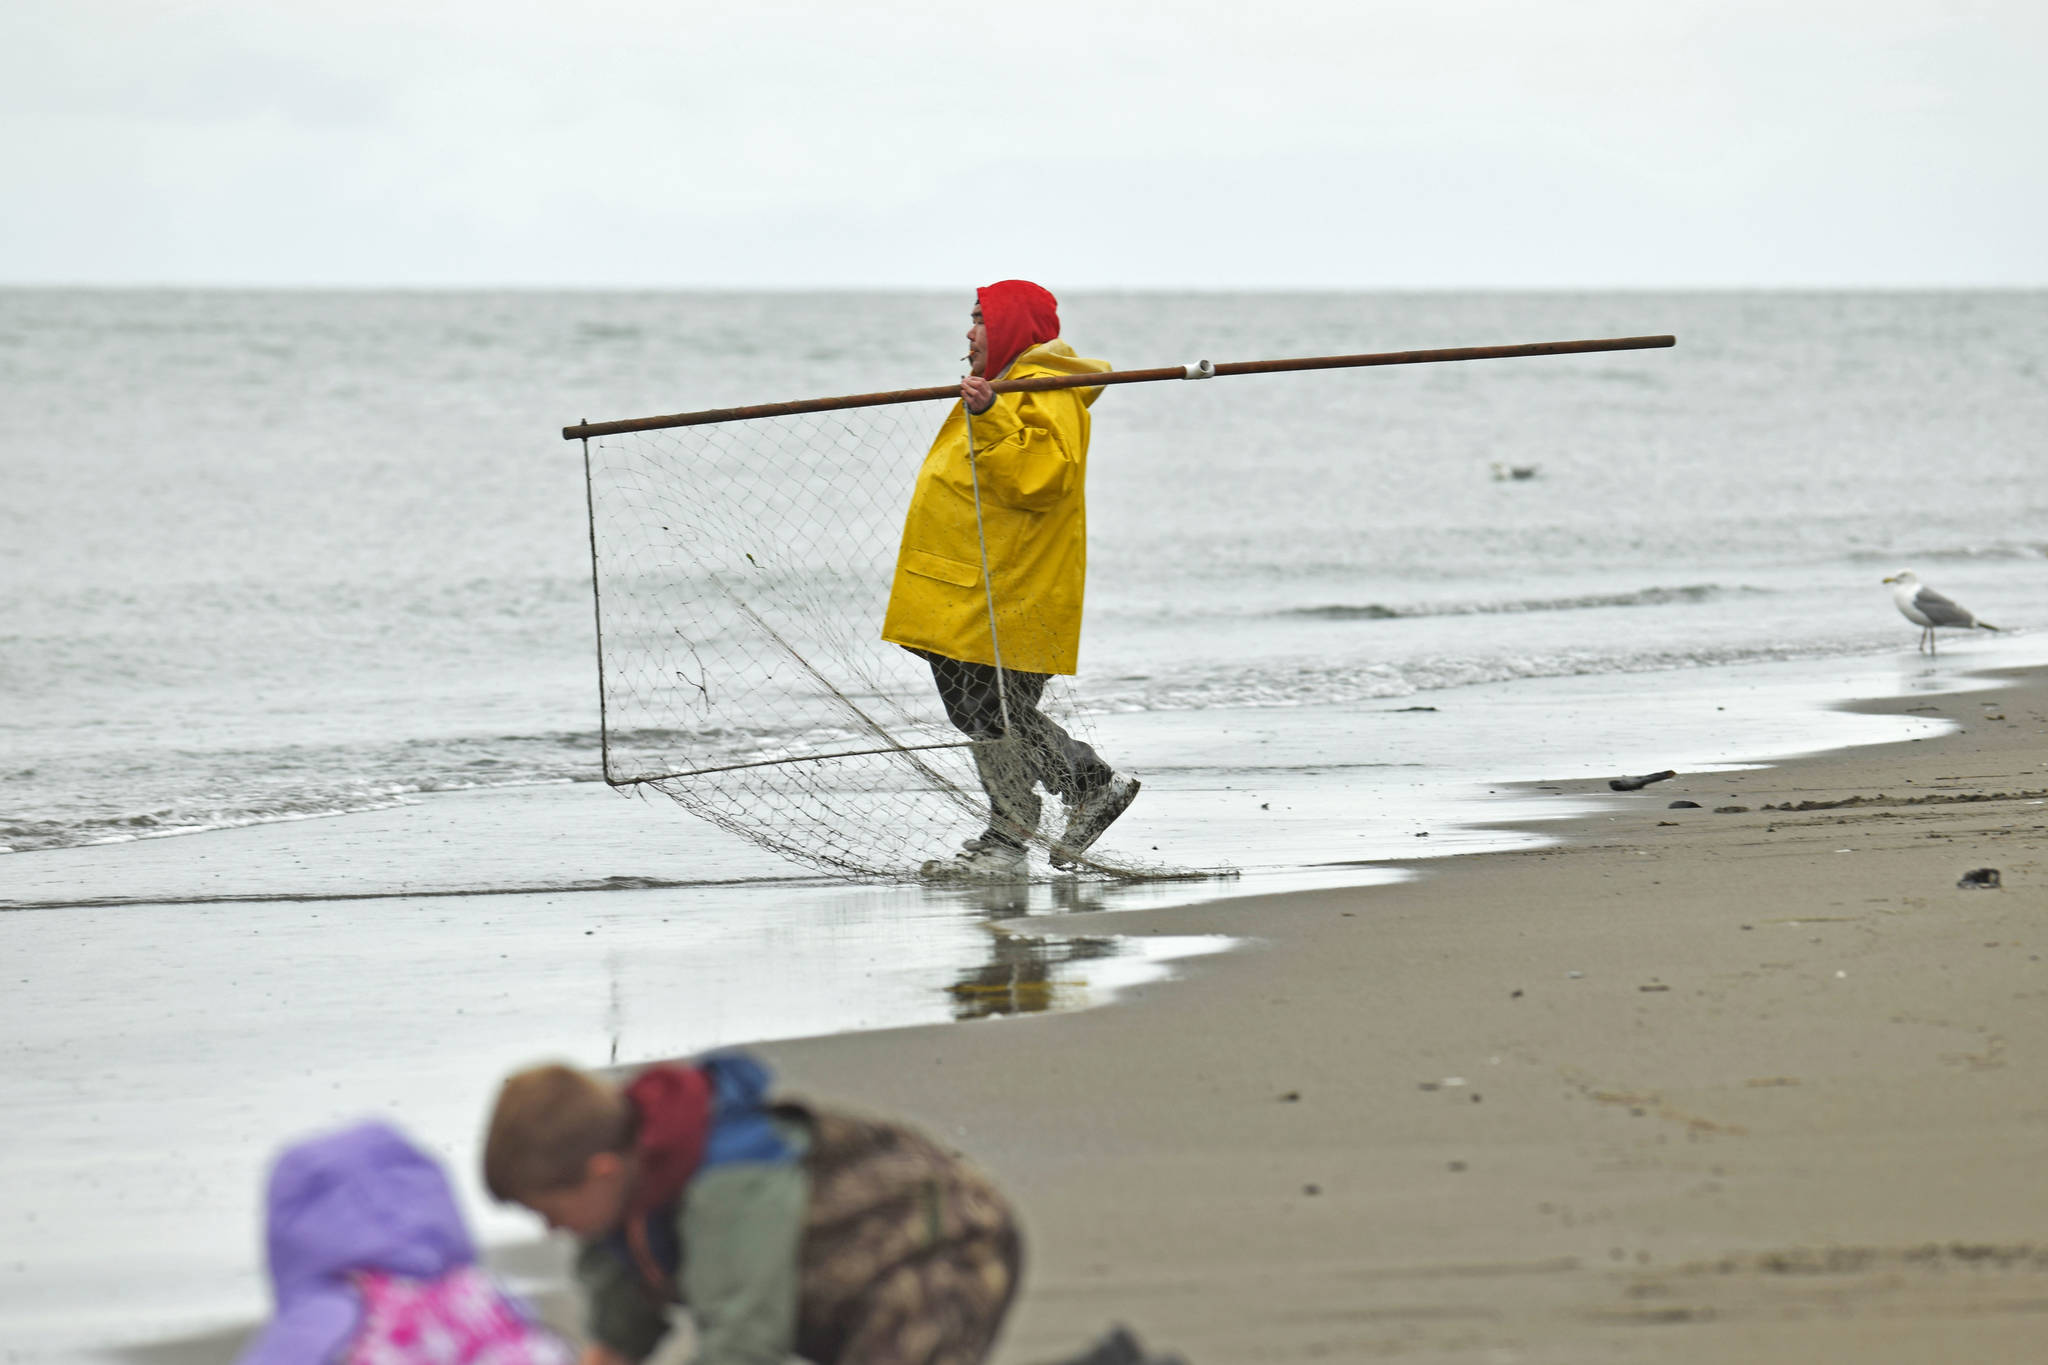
<point x="1671" y="1085"/>
<point x="1760" y="1085"/>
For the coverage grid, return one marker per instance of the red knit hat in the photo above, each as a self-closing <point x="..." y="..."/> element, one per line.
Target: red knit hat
<point x="1018" y="315"/>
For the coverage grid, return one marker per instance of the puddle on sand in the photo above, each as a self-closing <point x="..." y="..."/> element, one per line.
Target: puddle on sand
<point x="1019" y="970"/>
<point x="1035" y="973"/>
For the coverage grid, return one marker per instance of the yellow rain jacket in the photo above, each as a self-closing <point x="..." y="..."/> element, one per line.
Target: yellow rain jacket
<point x="1032" y="460"/>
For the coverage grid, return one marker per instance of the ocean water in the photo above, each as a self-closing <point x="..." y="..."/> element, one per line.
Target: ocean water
<point x="271" y="555"/>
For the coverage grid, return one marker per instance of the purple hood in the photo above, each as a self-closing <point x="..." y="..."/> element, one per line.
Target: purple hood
<point x="361" y="1199"/>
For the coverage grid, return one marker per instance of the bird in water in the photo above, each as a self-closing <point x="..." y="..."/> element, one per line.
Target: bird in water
<point x="1928" y="609"/>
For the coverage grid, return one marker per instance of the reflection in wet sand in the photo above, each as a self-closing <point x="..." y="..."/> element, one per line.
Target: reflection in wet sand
<point x="1029" y="973"/>
<point x="1026" y="974"/>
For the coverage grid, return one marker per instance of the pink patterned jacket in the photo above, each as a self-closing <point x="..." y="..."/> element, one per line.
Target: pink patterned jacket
<point x="460" y="1318"/>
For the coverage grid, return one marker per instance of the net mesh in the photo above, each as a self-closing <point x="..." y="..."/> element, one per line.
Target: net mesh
<point x="741" y="571"/>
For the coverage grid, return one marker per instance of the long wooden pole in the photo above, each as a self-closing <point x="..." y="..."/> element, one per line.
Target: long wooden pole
<point x="1083" y="381"/>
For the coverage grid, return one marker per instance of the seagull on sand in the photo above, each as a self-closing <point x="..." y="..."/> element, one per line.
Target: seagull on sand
<point x="1928" y="609"/>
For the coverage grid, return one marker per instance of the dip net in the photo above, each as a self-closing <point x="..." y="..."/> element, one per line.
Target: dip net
<point x="741" y="570"/>
<point x="742" y="562"/>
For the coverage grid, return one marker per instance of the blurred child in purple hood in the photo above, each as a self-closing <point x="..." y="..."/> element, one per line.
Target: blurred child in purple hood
<point x="370" y="1265"/>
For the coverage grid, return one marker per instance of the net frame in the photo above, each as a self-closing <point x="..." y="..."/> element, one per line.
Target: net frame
<point x="845" y="701"/>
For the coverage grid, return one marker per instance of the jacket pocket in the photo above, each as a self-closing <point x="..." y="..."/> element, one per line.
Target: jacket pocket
<point x="1028" y="470"/>
<point x="957" y="572"/>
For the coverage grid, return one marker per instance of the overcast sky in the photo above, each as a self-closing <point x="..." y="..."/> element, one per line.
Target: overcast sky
<point x="1418" y="143"/>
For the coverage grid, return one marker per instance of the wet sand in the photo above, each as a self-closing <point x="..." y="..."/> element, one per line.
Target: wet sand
<point x="1603" y="1098"/>
<point x="1754" y="1085"/>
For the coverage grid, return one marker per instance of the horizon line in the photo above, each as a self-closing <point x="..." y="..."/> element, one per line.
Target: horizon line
<point x="331" y="287"/>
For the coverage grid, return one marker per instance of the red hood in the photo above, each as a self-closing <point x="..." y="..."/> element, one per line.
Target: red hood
<point x="673" y="1106"/>
<point x="1018" y="315"/>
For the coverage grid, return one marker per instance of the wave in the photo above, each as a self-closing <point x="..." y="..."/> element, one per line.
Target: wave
<point x="2003" y="551"/>
<point x="32" y="835"/>
<point x="1340" y="684"/>
<point x="193" y="792"/>
<point x="1644" y="597"/>
<point x="412" y="893"/>
<point x="130" y="796"/>
<point x="24" y="834"/>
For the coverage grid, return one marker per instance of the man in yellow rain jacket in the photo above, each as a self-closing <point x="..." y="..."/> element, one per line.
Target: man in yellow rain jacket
<point x="989" y="582"/>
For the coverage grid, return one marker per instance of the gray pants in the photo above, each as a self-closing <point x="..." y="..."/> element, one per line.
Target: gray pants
<point x="1033" y="752"/>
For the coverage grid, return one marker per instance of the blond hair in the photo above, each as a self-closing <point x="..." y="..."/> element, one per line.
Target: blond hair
<point x="548" y="1123"/>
